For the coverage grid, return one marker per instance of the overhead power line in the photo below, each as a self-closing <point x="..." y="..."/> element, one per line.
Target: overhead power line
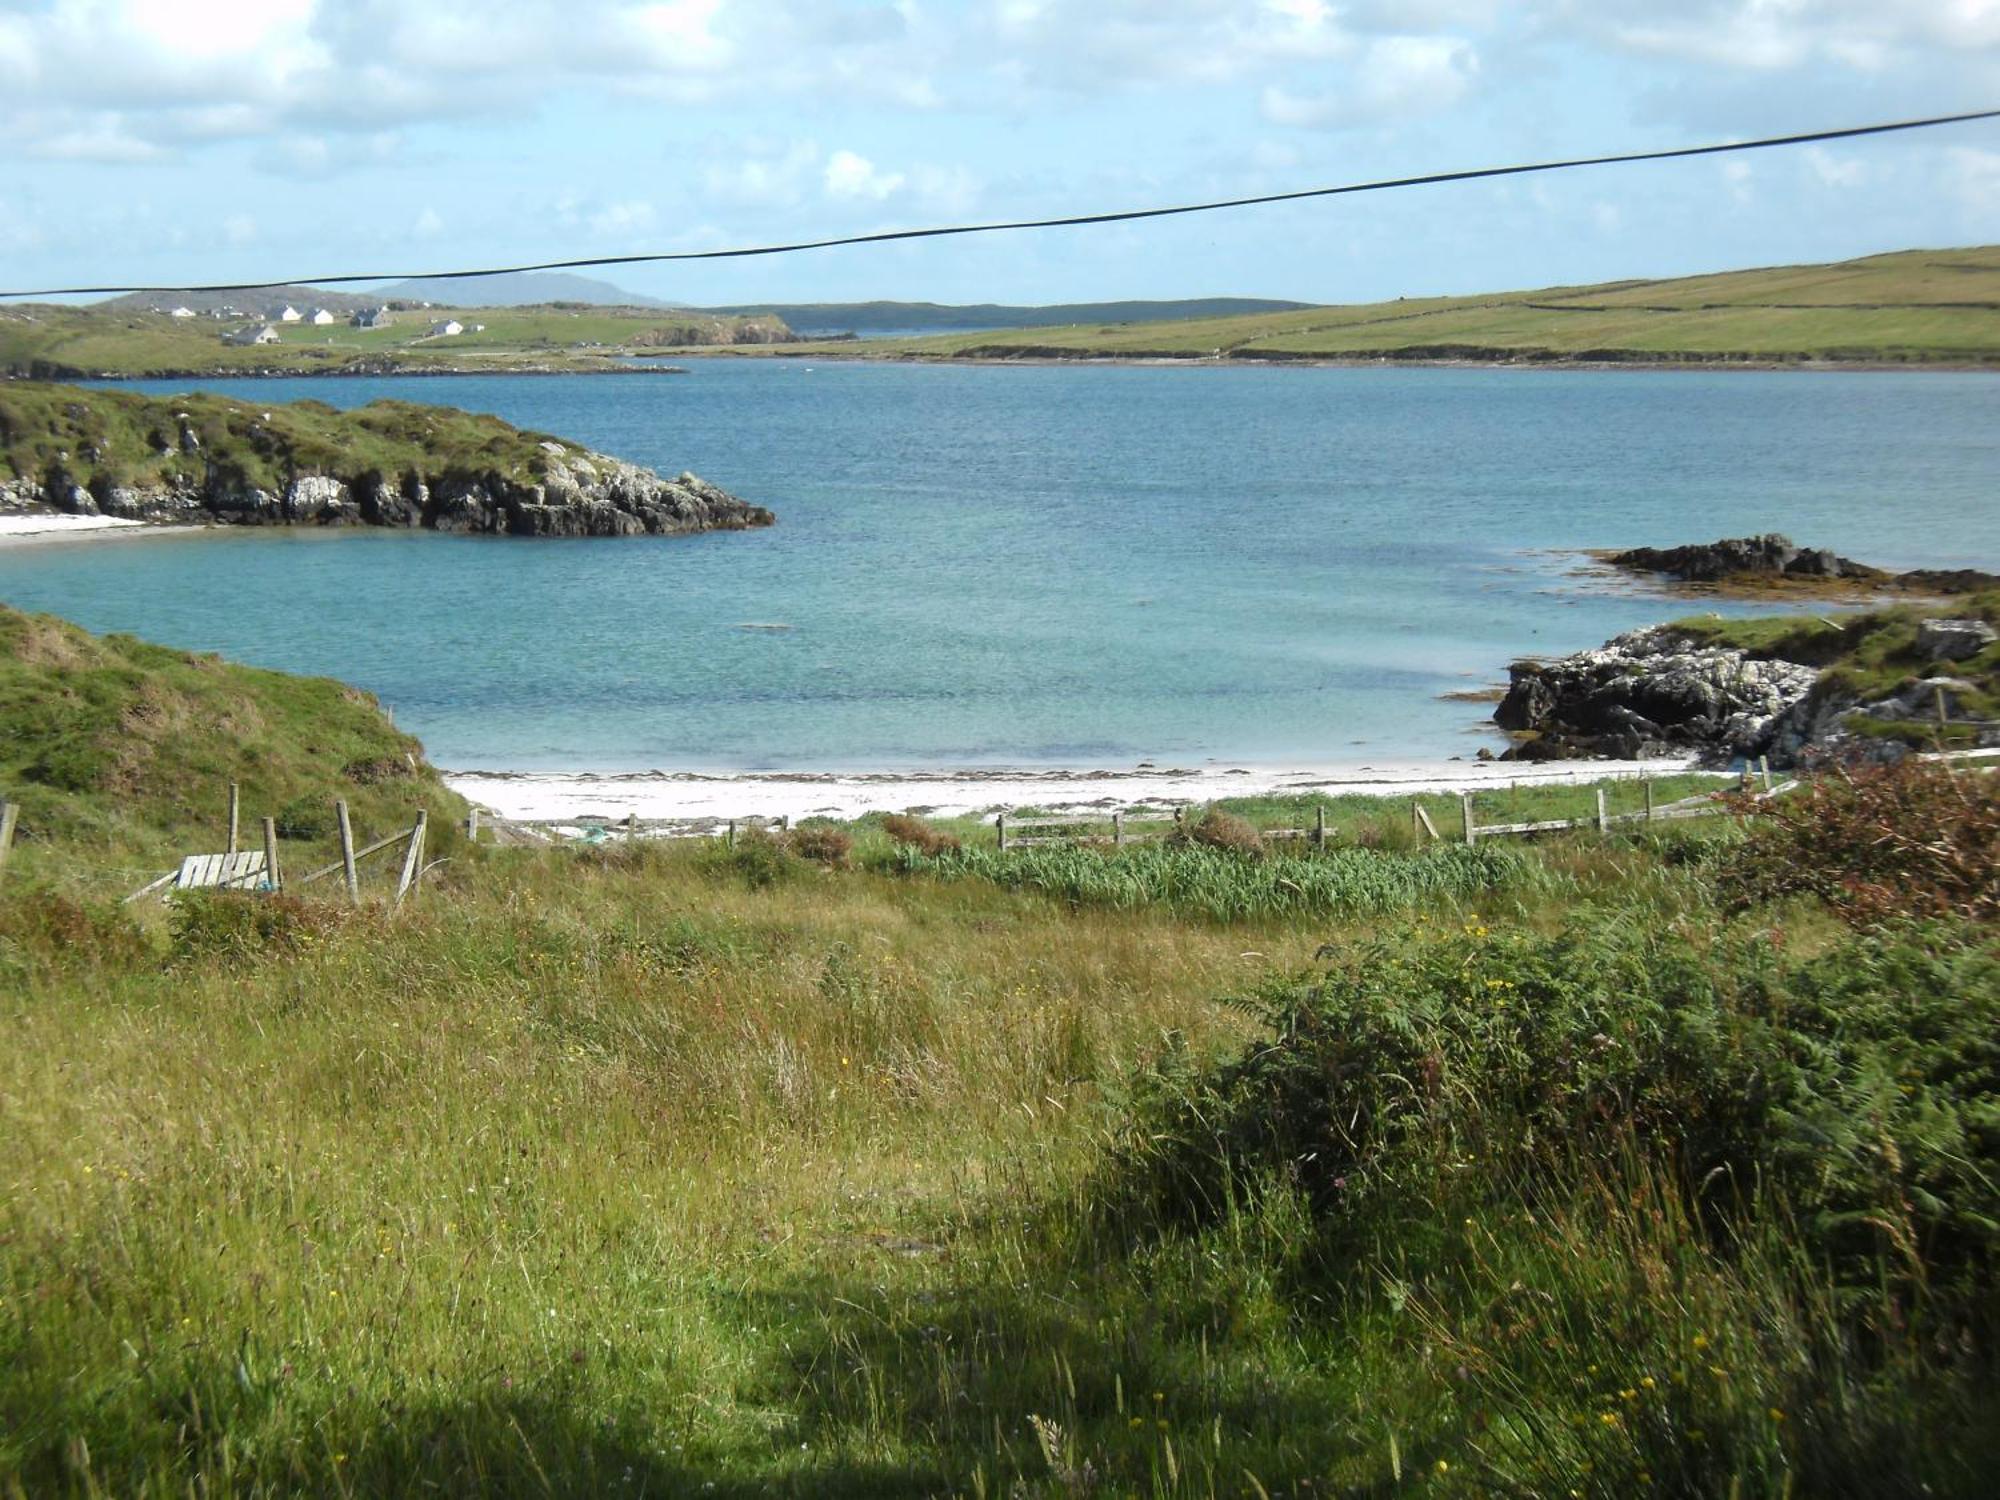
<point x="1072" y="221"/>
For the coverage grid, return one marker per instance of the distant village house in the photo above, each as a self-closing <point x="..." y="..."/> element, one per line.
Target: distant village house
<point x="372" y="317"/>
<point x="448" y="329"/>
<point x="181" y="312"/>
<point x="257" y="333"/>
<point x="321" y="318"/>
<point x="286" y="314"/>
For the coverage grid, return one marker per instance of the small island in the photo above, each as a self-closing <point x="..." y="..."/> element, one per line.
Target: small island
<point x="204" y="459"/>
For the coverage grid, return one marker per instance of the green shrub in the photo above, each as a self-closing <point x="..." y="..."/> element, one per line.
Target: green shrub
<point x="1877" y="843"/>
<point x="305" y="818"/>
<point x="242" y="924"/>
<point x="1861" y="1087"/>
<point x="757" y="858"/>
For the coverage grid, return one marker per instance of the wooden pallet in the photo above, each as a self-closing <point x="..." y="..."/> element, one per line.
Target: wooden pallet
<point x="241" y="871"/>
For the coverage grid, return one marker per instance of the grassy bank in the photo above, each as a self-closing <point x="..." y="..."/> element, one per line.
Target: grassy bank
<point x="1583" y="1167"/>
<point x="106" y="439"/>
<point x="1915" y="307"/>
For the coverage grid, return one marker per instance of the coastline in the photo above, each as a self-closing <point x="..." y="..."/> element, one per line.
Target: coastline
<point x="714" y="796"/>
<point x="38" y="529"/>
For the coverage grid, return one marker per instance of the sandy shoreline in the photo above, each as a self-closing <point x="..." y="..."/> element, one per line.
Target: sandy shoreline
<point x="708" y="796"/>
<point x="29" y="528"/>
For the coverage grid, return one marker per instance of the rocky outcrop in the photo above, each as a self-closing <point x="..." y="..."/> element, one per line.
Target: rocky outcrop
<point x="1953" y="640"/>
<point x="1772" y="559"/>
<point x="576" y="494"/>
<point x="1767" y="556"/>
<point x="1663" y="692"/>
<point x="1646" y="693"/>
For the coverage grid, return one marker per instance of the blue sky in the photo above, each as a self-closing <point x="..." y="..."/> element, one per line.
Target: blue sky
<point x="146" y="140"/>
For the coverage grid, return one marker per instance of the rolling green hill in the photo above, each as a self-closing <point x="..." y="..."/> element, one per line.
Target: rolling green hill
<point x="1911" y="307"/>
<point x="909" y="317"/>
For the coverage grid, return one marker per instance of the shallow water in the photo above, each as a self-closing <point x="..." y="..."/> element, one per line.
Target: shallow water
<point x="1053" y="564"/>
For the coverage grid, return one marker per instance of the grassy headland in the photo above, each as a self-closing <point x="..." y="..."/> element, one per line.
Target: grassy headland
<point x="109" y="438"/>
<point x="1581" y="1167"/>
<point x="1915" y="307"/>
<point x="47" y="342"/>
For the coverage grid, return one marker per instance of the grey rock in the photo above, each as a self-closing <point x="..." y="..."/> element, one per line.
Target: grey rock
<point x="1953" y="640"/>
<point x="1650" y="692"/>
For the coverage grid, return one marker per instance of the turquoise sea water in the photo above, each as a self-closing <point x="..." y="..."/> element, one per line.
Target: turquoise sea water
<point x="1055" y="564"/>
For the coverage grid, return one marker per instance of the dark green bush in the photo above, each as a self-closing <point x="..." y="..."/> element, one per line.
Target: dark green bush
<point x="1861" y="1086"/>
<point x="244" y="924"/>
<point x="757" y="858"/>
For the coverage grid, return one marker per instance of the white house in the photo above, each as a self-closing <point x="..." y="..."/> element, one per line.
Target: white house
<point x="372" y="317"/>
<point x="287" y="314"/>
<point x="181" y="312"/>
<point x="319" y="317"/>
<point x="448" y="329"/>
<point x="256" y="333"/>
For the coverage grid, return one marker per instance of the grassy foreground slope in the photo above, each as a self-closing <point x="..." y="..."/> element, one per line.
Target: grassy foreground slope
<point x="1588" y="1168"/>
<point x="120" y="753"/>
<point x="1914" y="307"/>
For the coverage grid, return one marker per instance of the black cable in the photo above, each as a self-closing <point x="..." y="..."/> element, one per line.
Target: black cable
<point x="1123" y="216"/>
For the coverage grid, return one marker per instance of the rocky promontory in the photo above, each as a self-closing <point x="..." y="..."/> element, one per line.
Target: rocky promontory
<point x="1870" y="684"/>
<point x="1772" y="560"/>
<point x="204" y="459"/>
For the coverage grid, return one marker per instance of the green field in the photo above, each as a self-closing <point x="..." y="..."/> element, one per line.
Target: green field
<point x="1658" y="1163"/>
<point x="55" y="343"/>
<point x="1914" y="307"/>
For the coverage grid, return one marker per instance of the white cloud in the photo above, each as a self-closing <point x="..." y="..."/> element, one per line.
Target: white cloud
<point x="1973" y="176"/>
<point x="428" y="226"/>
<point x="850" y="175"/>
<point x="621" y="220"/>
<point x="1395" y="77"/>
<point x="1835" y="171"/>
<point x="1859" y="35"/>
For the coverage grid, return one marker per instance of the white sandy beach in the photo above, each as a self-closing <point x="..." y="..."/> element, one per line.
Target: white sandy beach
<point x="696" y="796"/>
<point x="28" y="528"/>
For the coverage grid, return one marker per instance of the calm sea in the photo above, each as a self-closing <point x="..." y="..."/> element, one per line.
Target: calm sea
<point x="1054" y="564"/>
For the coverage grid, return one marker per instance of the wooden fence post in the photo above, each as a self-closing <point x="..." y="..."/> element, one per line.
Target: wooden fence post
<point x="472" y="826"/>
<point x="1764" y="770"/>
<point x="235" y="813"/>
<point x="631" y="826"/>
<point x="10" y="814"/>
<point x="1000" y="827"/>
<point x="1117" y="829"/>
<point x="1943" y="717"/>
<point x="729" y="838"/>
<point x="413" y="856"/>
<point x="1646" y="783"/>
<point x="1465" y="808"/>
<point x="347" y="869"/>
<point x="784" y="822"/>
<point x="1319" y="826"/>
<point x="272" y="877"/>
<point x="1603" y="820"/>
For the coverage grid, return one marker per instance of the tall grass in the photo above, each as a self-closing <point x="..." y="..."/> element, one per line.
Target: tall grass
<point x="1227" y="887"/>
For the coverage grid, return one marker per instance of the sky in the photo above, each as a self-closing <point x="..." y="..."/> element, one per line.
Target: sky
<point x="147" y="141"/>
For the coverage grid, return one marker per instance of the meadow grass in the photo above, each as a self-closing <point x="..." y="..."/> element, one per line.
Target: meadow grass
<point x="1579" y="1166"/>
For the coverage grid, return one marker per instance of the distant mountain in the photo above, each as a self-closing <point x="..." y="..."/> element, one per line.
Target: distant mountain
<point x="934" y="317"/>
<point x="515" y="289"/>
